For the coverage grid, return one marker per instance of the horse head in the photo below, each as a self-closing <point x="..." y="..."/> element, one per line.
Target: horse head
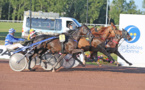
<point x="94" y="29"/>
<point x="126" y="35"/>
<point x="84" y="30"/>
<point x="119" y="34"/>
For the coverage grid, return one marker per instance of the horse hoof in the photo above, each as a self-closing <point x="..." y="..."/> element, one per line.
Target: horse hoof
<point x="111" y="61"/>
<point x="89" y="60"/>
<point x="53" y="70"/>
<point x="130" y="64"/>
<point x="32" y="69"/>
<point x="83" y="65"/>
<point x="100" y="65"/>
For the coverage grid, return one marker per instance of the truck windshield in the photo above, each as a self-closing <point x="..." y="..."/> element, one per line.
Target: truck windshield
<point x="77" y="22"/>
<point x="45" y="24"/>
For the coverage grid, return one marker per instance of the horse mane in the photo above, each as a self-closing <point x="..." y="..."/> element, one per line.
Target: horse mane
<point x="112" y="24"/>
<point x="102" y="29"/>
<point x="70" y="31"/>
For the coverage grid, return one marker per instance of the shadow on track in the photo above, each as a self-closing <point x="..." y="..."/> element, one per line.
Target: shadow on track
<point x="96" y="68"/>
<point x="106" y="68"/>
<point x="4" y="61"/>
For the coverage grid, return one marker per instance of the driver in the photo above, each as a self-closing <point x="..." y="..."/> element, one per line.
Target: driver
<point x="70" y="26"/>
<point x="10" y="39"/>
<point x="31" y="37"/>
<point x="32" y="34"/>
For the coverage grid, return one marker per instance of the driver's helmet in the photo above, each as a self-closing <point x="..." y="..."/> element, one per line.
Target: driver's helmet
<point x="11" y="30"/>
<point x="32" y="32"/>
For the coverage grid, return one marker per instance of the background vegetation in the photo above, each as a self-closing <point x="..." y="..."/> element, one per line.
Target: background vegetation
<point x="14" y="9"/>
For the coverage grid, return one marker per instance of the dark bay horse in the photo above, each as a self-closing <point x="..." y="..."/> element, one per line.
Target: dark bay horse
<point x="97" y="43"/>
<point x="55" y="46"/>
<point x="112" y="45"/>
<point x="113" y="40"/>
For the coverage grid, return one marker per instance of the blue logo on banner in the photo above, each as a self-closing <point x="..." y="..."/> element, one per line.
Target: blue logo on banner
<point x="134" y="33"/>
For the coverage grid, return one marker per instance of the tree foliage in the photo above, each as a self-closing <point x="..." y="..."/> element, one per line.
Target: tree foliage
<point x="14" y="9"/>
<point x="122" y="7"/>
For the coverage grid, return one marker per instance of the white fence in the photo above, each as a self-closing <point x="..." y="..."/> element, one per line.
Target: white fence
<point x="12" y="21"/>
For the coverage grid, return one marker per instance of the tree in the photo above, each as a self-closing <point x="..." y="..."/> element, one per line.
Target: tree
<point x="143" y="5"/>
<point x="122" y="7"/>
<point x="1" y="4"/>
<point x="95" y="7"/>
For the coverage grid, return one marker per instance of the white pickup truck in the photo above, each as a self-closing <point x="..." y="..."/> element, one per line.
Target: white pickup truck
<point x="47" y="23"/>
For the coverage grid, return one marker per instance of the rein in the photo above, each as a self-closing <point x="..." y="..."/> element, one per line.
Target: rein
<point x="115" y="41"/>
<point x="120" y="37"/>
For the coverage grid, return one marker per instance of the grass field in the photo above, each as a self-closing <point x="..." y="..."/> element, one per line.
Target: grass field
<point x="5" y="26"/>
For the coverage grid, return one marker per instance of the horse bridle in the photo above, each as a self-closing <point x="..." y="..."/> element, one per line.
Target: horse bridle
<point x="124" y="35"/>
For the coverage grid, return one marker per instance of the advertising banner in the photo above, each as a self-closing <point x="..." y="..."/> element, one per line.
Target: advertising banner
<point x="134" y="50"/>
<point x="4" y="54"/>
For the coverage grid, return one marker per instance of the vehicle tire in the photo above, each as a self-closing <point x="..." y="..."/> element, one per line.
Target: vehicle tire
<point x="50" y="60"/>
<point x="34" y="61"/>
<point x="68" y="61"/>
<point x="18" y="62"/>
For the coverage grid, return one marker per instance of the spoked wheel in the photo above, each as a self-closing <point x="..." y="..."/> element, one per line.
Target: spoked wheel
<point x="60" y="63"/>
<point x="68" y="61"/>
<point x="18" y="62"/>
<point x="34" y="61"/>
<point x="50" y="60"/>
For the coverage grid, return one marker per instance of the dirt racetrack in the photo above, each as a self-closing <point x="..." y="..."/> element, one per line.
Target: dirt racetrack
<point x="90" y="77"/>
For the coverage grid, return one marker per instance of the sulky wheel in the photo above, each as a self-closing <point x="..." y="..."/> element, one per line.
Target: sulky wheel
<point x="68" y="61"/>
<point x="49" y="60"/>
<point x="60" y="63"/>
<point x="18" y="62"/>
<point x="34" y="62"/>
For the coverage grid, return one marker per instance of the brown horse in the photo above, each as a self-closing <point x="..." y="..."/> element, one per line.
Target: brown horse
<point x="98" y="32"/>
<point x="97" y="43"/>
<point x="112" y="45"/>
<point x="113" y="40"/>
<point x="55" y="46"/>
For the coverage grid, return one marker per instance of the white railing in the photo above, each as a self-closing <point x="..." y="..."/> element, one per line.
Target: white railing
<point x="12" y="21"/>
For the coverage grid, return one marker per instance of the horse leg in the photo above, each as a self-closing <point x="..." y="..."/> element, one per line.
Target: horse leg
<point x="91" y="59"/>
<point x="29" y="63"/>
<point x="96" y="58"/>
<point x="101" y="49"/>
<point x="74" y="55"/>
<point x="58" y="60"/>
<point x="118" y="54"/>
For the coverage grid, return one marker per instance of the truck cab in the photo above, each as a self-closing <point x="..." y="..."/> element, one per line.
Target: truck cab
<point x="47" y="23"/>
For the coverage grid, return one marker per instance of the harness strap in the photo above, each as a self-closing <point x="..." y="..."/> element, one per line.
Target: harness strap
<point x="115" y="41"/>
<point x="33" y="45"/>
<point x="96" y="29"/>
